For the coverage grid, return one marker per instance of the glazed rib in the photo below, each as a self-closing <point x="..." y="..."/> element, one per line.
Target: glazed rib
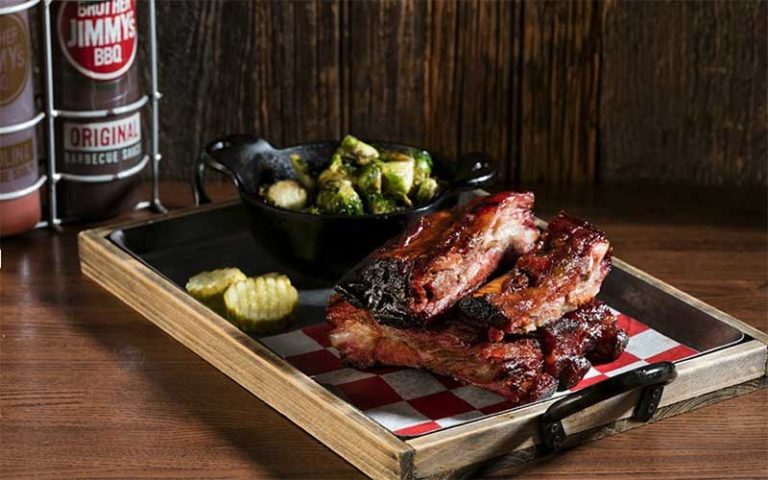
<point x="512" y="369"/>
<point x="523" y="368"/>
<point x="563" y="272"/>
<point x="582" y="337"/>
<point x="440" y="258"/>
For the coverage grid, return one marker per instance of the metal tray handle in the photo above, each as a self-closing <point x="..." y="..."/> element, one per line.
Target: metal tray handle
<point x="228" y="155"/>
<point x="476" y="170"/>
<point x="651" y="378"/>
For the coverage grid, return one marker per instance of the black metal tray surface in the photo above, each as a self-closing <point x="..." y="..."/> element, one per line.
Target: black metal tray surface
<point x="180" y="247"/>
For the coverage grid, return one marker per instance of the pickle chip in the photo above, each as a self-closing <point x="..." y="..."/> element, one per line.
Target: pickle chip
<point x="209" y="287"/>
<point x="262" y="304"/>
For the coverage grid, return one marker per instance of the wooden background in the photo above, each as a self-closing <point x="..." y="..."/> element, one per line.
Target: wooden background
<point x="559" y="92"/>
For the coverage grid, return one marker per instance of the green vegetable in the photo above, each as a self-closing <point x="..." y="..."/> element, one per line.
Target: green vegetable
<point x="288" y="194"/>
<point x="405" y="199"/>
<point x="361" y="151"/>
<point x="330" y="178"/>
<point x="393" y="156"/>
<point x="378" y="204"/>
<point x="398" y="176"/>
<point x="422" y="167"/>
<point x="302" y="172"/>
<point x="312" y="211"/>
<point x="334" y="174"/>
<point x="369" y="179"/>
<point x="426" y="190"/>
<point x="337" y="163"/>
<point x="340" y="198"/>
<point x="357" y="179"/>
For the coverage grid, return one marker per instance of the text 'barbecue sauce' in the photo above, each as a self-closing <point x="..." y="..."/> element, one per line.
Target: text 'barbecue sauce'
<point x="96" y="69"/>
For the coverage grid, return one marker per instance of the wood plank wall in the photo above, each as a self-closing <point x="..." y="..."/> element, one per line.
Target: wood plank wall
<point x="570" y="92"/>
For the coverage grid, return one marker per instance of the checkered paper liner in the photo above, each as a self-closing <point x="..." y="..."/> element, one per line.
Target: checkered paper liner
<point x="411" y="402"/>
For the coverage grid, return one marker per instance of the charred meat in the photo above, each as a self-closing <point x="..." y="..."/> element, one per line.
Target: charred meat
<point x="582" y="337"/>
<point x="513" y="369"/>
<point x="564" y="271"/>
<point x="523" y="368"/>
<point x="441" y="258"/>
<point x="523" y="335"/>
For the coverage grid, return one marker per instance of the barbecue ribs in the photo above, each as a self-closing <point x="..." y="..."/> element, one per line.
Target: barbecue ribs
<point x="440" y="258"/>
<point x="523" y="368"/>
<point x="564" y="271"/>
<point x="512" y="369"/>
<point x="582" y="337"/>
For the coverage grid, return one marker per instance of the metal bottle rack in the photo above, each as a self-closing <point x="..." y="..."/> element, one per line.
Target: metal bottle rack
<point x="52" y="177"/>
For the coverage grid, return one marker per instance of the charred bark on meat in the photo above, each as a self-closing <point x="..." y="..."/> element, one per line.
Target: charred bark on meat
<point x="564" y="271"/>
<point x="573" y="343"/>
<point x="522" y="368"/>
<point x="419" y="275"/>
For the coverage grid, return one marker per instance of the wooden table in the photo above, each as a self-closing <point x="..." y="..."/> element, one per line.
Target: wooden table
<point x="89" y="389"/>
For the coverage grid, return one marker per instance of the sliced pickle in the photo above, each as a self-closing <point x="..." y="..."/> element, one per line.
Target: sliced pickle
<point x="209" y="286"/>
<point x="263" y="304"/>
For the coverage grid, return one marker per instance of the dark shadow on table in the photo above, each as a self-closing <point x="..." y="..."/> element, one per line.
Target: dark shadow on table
<point x="192" y="387"/>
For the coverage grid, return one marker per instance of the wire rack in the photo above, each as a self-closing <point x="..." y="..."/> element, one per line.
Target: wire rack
<point x="51" y="177"/>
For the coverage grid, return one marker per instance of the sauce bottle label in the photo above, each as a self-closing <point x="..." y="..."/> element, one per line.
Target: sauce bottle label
<point x="99" y="39"/>
<point x="102" y="143"/>
<point x="17" y="165"/>
<point x="14" y="58"/>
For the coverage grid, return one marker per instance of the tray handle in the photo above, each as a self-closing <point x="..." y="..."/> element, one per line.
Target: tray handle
<point x="651" y="378"/>
<point x="476" y="170"/>
<point x="228" y="155"/>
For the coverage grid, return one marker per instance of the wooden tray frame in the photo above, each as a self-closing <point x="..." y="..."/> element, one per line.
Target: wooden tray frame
<point x="497" y="441"/>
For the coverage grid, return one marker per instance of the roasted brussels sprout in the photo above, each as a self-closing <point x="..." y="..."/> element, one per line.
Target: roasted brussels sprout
<point x="398" y="176"/>
<point x="393" y="156"/>
<point x="331" y="178"/>
<point x="337" y="163"/>
<point x="358" y="179"/>
<point x="422" y="168"/>
<point x="361" y="151"/>
<point x="378" y="204"/>
<point x="312" y="211"/>
<point x="302" y="172"/>
<point x="288" y="194"/>
<point x="336" y="172"/>
<point x="340" y="198"/>
<point x="426" y="190"/>
<point x="369" y="179"/>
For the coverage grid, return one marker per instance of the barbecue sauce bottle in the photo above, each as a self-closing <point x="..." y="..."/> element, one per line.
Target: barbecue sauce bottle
<point x="18" y="150"/>
<point x="95" y="69"/>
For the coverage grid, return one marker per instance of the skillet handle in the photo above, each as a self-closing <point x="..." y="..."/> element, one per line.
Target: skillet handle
<point x="476" y="170"/>
<point x="227" y="155"/>
<point x="651" y="378"/>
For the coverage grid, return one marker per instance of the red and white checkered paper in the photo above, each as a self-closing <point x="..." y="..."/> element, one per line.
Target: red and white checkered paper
<point x="412" y="402"/>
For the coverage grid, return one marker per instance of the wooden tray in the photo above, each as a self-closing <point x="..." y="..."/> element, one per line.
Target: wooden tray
<point x="144" y="263"/>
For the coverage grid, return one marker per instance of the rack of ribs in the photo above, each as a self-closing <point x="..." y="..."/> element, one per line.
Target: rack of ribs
<point x="565" y="270"/>
<point x="512" y="369"/>
<point x="582" y="337"/>
<point x="440" y="258"/>
<point x="522" y="368"/>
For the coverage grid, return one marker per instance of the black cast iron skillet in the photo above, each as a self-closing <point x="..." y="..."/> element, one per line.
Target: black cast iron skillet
<point x="325" y="245"/>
